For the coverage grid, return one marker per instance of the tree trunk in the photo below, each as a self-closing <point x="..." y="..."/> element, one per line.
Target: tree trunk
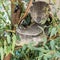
<point x="15" y="16"/>
<point x="8" y="57"/>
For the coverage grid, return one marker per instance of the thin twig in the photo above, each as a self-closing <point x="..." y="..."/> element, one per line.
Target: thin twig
<point x="13" y="31"/>
<point x="26" y="12"/>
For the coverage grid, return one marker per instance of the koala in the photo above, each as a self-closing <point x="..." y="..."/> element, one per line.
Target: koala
<point x="40" y="12"/>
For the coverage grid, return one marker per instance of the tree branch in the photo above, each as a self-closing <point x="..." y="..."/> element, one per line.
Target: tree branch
<point x="26" y="12"/>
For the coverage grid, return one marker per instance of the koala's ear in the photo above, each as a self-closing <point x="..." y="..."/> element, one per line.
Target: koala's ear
<point x="31" y="8"/>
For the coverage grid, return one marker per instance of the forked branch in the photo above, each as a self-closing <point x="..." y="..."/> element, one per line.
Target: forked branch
<point x="26" y="12"/>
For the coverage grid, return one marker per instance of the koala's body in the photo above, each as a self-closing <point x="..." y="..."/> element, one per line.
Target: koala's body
<point x="39" y="11"/>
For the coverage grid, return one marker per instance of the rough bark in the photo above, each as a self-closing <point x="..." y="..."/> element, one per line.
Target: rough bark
<point x="8" y="57"/>
<point x="14" y="16"/>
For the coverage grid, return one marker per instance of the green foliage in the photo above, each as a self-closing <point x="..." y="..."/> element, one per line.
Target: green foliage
<point x="26" y="0"/>
<point x="2" y="53"/>
<point x="53" y="32"/>
<point x="7" y="39"/>
<point x="46" y="50"/>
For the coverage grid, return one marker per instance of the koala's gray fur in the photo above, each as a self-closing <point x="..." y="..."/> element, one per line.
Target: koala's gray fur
<point x="39" y="11"/>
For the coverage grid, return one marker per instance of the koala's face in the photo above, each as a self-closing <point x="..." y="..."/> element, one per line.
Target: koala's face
<point x="39" y="11"/>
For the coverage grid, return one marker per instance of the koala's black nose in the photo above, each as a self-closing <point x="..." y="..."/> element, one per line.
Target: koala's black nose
<point x="38" y="19"/>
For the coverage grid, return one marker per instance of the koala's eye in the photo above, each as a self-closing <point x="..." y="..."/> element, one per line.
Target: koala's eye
<point x="38" y="19"/>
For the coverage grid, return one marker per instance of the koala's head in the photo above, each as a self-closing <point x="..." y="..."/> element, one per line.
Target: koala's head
<point x="39" y="11"/>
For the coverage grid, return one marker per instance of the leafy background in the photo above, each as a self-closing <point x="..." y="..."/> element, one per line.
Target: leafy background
<point x="49" y="49"/>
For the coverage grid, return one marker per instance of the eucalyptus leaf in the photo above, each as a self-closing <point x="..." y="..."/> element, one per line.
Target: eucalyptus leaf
<point x="58" y="28"/>
<point x="46" y="47"/>
<point x="45" y="58"/>
<point x="2" y="53"/>
<point x="26" y="0"/>
<point x="52" y="44"/>
<point x="8" y="38"/>
<point x="44" y="40"/>
<point x="53" y="31"/>
<point x="5" y="47"/>
<point x="13" y="41"/>
<point x="24" y="47"/>
<point x="1" y="13"/>
<point x="57" y="54"/>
